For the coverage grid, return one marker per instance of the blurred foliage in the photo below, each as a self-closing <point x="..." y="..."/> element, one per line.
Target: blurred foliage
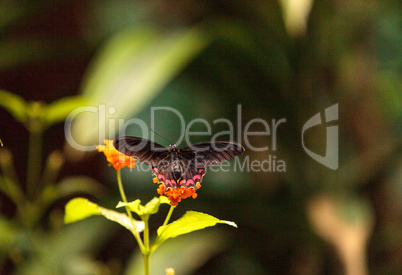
<point x="205" y="57"/>
<point x="32" y="246"/>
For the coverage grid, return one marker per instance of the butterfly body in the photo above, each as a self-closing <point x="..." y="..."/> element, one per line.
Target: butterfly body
<point x="174" y="167"/>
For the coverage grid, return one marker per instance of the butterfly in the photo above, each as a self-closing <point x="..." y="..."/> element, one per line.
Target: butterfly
<point x="174" y="167"/>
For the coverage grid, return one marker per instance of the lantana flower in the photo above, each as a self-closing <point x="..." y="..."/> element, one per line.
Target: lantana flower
<point x="175" y="195"/>
<point x="114" y="157"/>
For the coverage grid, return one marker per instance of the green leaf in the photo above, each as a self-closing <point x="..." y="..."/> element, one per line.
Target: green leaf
<point x="12" y="189"/>
<point x="134" y="206"/>
<point x="14" y="104"/>
<point x="150" y="208"/>
<point x="122" y="219"/>
<point x="164" y="199"/>
<point x="191" y="221"/>
<point x="60" y="109"/>
<point x="8" y="234"/>
<point x="80" y="208"/>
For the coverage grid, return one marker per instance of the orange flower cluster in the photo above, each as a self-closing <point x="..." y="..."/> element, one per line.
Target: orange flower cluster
<point x="175" y="195"/>
<point x="114" y="157"/>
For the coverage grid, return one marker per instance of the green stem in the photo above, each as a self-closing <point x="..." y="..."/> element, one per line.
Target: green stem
<point x="52" y="168"/>
<point x="146" y="264"/>
<point x="34" y="161"/>
<point x="123" y="197"/>
<point x="146" y="234"/>
<point x="146" y="244"/>
<point x="122" y="194"/>
<point x="168" y="215"/>
<point x="155" y="246"/>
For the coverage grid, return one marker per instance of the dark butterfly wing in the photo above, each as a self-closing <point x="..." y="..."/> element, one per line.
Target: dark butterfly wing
<point x="187" y="175"/>
<point x="150" y="153"/>
<point x="146" y="151"/>
<point x="192" y="175"/>
<point x="164" y="174"/>
<point x="207" y="154"/>
<point x="195" y="158"/>
<point x="192" y="161"/>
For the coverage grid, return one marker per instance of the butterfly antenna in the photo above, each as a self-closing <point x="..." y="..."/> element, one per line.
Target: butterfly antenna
<point x="161" y="136"/>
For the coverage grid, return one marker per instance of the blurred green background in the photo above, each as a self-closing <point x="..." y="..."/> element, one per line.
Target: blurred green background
<point x="277" y="59"/>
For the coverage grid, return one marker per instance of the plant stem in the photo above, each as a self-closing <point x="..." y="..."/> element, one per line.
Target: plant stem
<point x="122" y="194"/>
<point x="52" y="168"/>
<point x="123" y="197"/>
<point x="146" y="234"/>
<point x="146" y="264"/>
<point x="146" y="244"/>
<point x="34" y="161"/>
<point x="164" y="223"/>
<point x="168" y="215"/>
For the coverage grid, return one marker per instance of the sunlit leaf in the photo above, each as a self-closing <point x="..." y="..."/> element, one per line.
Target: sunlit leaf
<point x="134" y="206"/>
<point x="14" y="104"/>
<point x="60" y="109"/>
<point x="150" y="208"/>
<point x="164" y="199"/>
<point x="122" y="219"/>
<point x="81" y="208"/>
<point x="191" y="221"/>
